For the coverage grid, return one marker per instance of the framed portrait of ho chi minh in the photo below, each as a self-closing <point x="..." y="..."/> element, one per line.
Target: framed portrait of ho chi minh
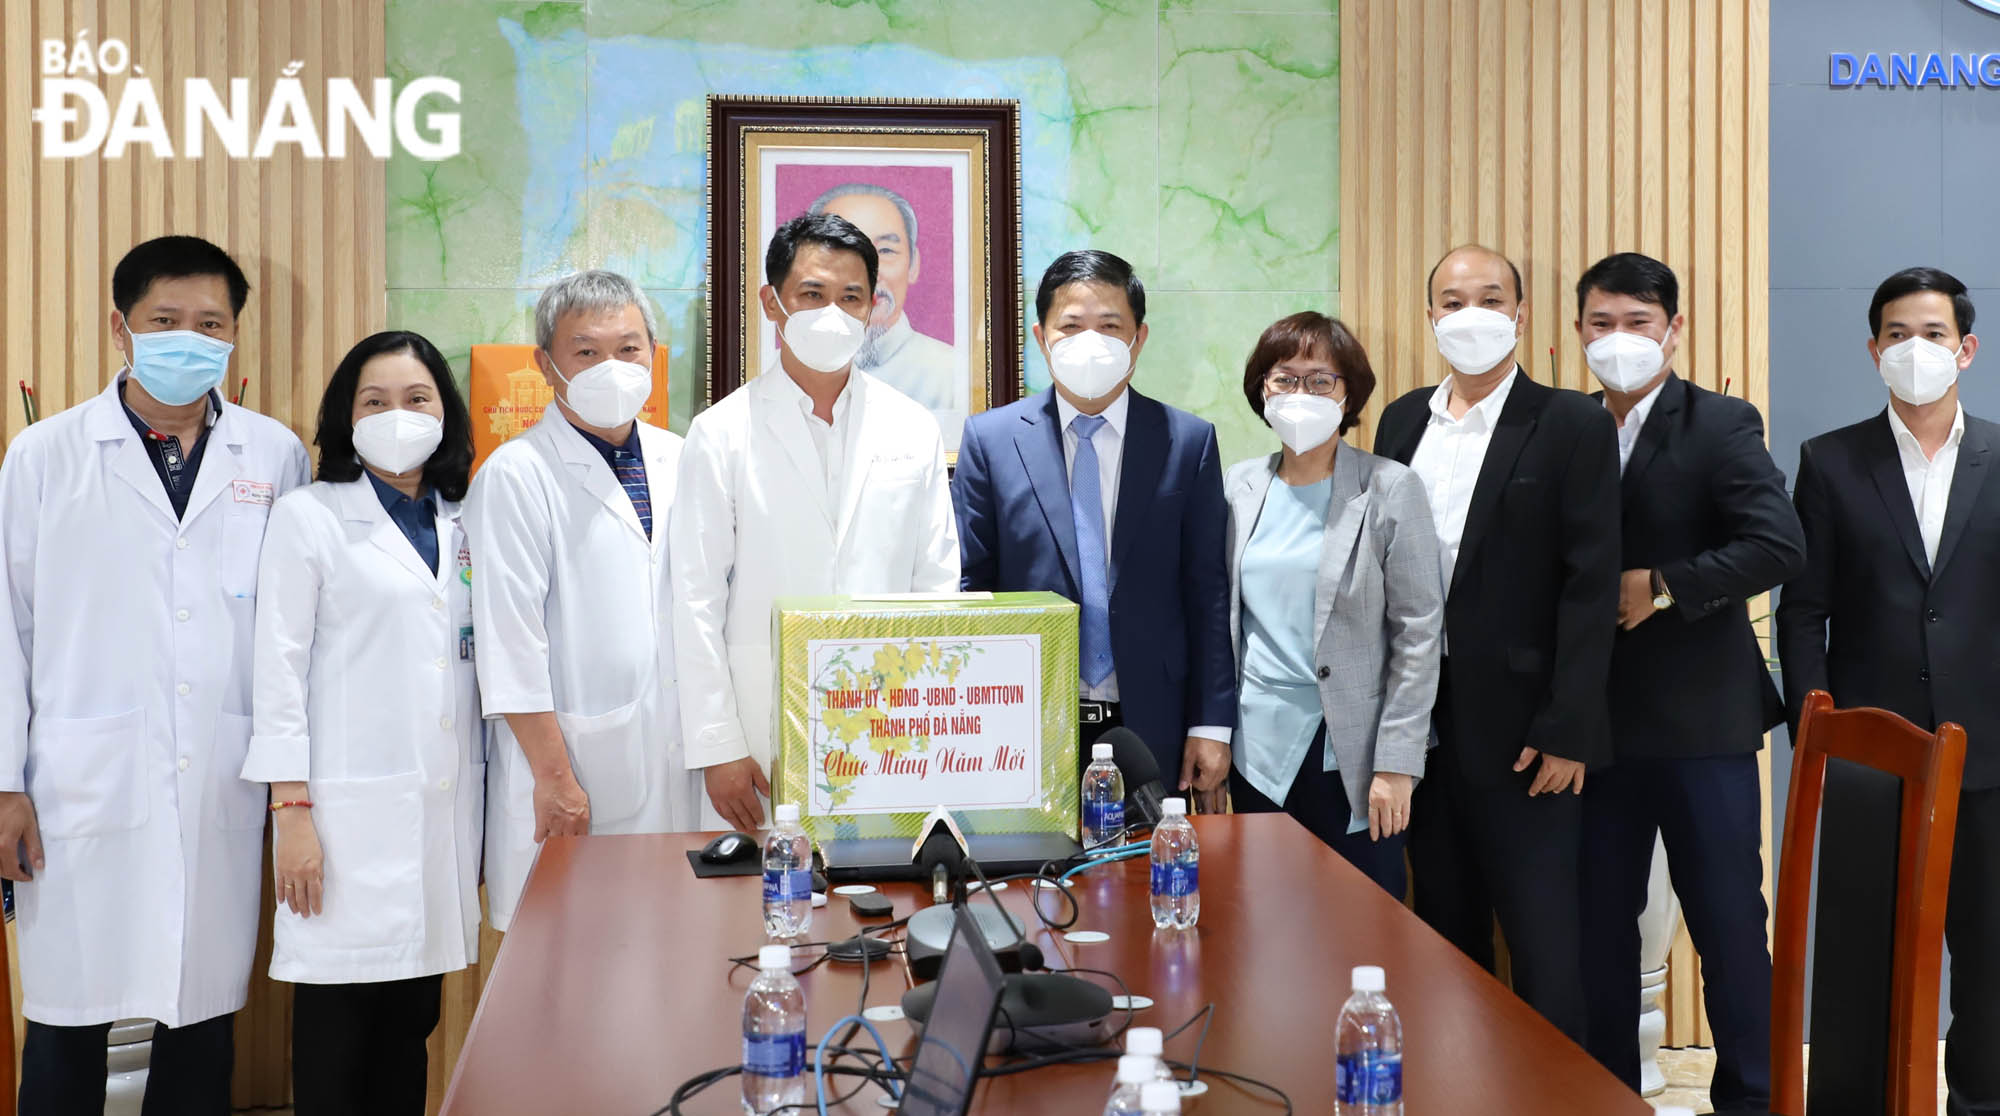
<point x="936" y="185"/>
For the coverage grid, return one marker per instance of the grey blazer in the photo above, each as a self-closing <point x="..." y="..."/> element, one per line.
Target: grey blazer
<point x="1378" y="608"/>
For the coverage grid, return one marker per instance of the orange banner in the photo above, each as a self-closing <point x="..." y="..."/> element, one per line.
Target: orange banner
<point x="509" y="394"/>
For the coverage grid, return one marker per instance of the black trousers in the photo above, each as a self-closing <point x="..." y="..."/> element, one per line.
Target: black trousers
<point x="63" y="1069"/>
<point x="1854" y="904"/>
<point x="1707" y="810"/>
<point x="359" y="1048"/>
<point x="1484" y="849"/>
<point x="1318" y="800"/>
<point x="1972" y="931"/>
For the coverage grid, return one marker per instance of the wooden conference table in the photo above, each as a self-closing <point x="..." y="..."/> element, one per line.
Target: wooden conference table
<point x="613" y="987"/>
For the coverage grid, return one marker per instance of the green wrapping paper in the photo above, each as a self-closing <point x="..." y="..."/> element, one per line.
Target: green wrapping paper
<point x="889" y="707"/>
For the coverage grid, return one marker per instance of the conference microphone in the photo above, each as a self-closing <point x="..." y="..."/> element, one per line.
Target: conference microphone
<point x="1143" y="789"/>
<point x="941" y="860"/>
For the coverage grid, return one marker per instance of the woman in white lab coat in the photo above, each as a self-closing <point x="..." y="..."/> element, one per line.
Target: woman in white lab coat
<point x="367" y="727"/>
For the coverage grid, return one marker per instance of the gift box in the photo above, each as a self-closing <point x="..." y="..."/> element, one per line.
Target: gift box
<point x="890" y="706"/>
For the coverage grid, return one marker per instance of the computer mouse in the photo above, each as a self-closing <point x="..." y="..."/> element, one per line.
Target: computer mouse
<point x="729" y="848"/>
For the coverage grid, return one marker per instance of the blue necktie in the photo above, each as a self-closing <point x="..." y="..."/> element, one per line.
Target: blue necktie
<point x="1086" y="505"/>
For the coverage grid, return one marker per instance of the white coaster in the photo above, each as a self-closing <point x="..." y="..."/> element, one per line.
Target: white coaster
<point x="1086" y="937"/>
<point x="883" y="1013"/>
<point x="819" y="898"/>
<point x="1192" y="1088"/>
<point x="854" y="889"/>
<point x="977" y="886"/>
<point x="1130" y="1003"/>
<point x="1047" y="884"/>
<point x="888" y="1102"/>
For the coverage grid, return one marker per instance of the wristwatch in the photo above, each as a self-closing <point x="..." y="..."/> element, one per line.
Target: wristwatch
<point x="1662" y="599"/>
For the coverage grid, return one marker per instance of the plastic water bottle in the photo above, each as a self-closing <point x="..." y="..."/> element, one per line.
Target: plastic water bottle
<point x="774" y="1035"/>
<point x="1176" y="869"/>
<point x="1103" y="798"/>
<point x="1368" y="1062"/>
<point x="1134" y="1070"/>
<point x="787" y="876"/>
<point x="1149" y="1043"/>
<point x="1160" y="1098"/>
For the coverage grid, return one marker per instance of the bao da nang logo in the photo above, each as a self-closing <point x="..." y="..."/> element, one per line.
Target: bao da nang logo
<point x="1988" y="5"/>
<point x="77" y="116"/>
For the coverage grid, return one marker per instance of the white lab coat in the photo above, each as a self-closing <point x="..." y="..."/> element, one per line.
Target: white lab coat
<point x="571" y="604"/>
<point x="751" y="524"/>
<point x="365" y="690"/>
<point x="125" y="711"/>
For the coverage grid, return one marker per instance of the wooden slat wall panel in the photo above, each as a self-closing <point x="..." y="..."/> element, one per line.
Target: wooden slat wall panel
<point x="1559" y="131"/>
<point x="309" y="234"/>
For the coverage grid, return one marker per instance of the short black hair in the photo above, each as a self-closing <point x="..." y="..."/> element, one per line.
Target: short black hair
<point x="824" y="229"/>
<point x="1911" y="280"/>
<point x="1310" y="333"/>
<point x="1090" y="266"/>
<point x="174" y="257"/>
<point x="1635" y="276"/>
<point x="450" y="468"/>
<point x="1520" y="290"/>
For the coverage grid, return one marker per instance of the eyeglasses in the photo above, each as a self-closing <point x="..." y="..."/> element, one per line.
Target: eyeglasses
<point x="1319" y="383"/>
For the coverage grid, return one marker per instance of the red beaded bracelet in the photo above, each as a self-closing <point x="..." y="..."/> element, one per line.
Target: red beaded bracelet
<point x="305" y="802"/>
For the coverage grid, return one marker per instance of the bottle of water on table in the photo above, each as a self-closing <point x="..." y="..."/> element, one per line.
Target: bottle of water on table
<point x="1134" y="1070"/>
<point x="1176" y="869"/>
<point x="1368" y="1056"/>
<point x="1160" y="1098"/>
<point x="1103" y="798"/>
<point x="774" y="1035"/>
<point x="1149" y="1043"/>
<point x="787" y="876"/>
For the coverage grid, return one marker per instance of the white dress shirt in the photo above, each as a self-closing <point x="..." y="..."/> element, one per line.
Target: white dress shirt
<point x="829" y="439"/>
<point x="1635" y="421"/>
<point x="1929" y="478"/>
<point x="1448" y="458"/>
<point x="1109" y="442"/>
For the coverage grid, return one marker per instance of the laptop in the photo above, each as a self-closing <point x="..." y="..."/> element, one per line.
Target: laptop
<point x="952" y="1047"/>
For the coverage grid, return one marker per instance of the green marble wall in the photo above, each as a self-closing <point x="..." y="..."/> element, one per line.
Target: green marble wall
<point x="1195" y="139"/>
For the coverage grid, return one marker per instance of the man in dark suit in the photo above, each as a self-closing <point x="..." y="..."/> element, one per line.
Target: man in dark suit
<point x="1897" y="609"/>
<point x="1523" y="483"/>
<point x="1113" y="500"/>
<point x="1707" y="526"/>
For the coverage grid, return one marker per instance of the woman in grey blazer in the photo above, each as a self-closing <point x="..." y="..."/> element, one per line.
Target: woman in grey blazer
<point x="1336" y="606"/>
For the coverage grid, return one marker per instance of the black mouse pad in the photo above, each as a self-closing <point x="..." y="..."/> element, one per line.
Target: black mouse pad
<point x="749" y="866"/>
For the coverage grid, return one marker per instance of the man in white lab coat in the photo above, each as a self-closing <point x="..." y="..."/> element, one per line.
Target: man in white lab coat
<point x="130" y="528"/>
<point x="568" y="524"/>
<point x="813" y="478"/>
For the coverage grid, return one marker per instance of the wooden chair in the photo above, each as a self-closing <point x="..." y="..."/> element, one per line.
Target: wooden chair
<point x="1930" y="766"/>
<point x="11" y="1052"/>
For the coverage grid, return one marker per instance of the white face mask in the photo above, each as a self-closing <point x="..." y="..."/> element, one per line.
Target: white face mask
<point x="1475" y="340"/>
<point x="1089" y="364"/>
<point x="1919" y="370"/>
<point x="1304" y="422"/>
<point x="1624" y="361"/>
<point x="398" y="441"/>
<point x="824" y="338"/>
<point x="609" y="393"/>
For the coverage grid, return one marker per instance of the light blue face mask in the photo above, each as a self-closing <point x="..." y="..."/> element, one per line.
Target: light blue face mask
<point x="178" y="366"/>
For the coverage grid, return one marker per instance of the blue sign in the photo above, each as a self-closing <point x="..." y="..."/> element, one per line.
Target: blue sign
<point x="1915" y="71"/>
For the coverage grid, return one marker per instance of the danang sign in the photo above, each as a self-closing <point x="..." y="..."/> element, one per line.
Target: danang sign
<point x="1914" y="71"/>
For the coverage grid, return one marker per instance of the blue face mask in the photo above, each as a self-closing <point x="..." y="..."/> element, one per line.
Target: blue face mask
<point x="178" y="366"/>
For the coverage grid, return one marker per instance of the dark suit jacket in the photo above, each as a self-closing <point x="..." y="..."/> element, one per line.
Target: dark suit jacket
<point x="1533" y="600"/>
<point x="1168" y="576"/>
<point x="1703" y="504"/>
<point x="1870" y="621"/>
